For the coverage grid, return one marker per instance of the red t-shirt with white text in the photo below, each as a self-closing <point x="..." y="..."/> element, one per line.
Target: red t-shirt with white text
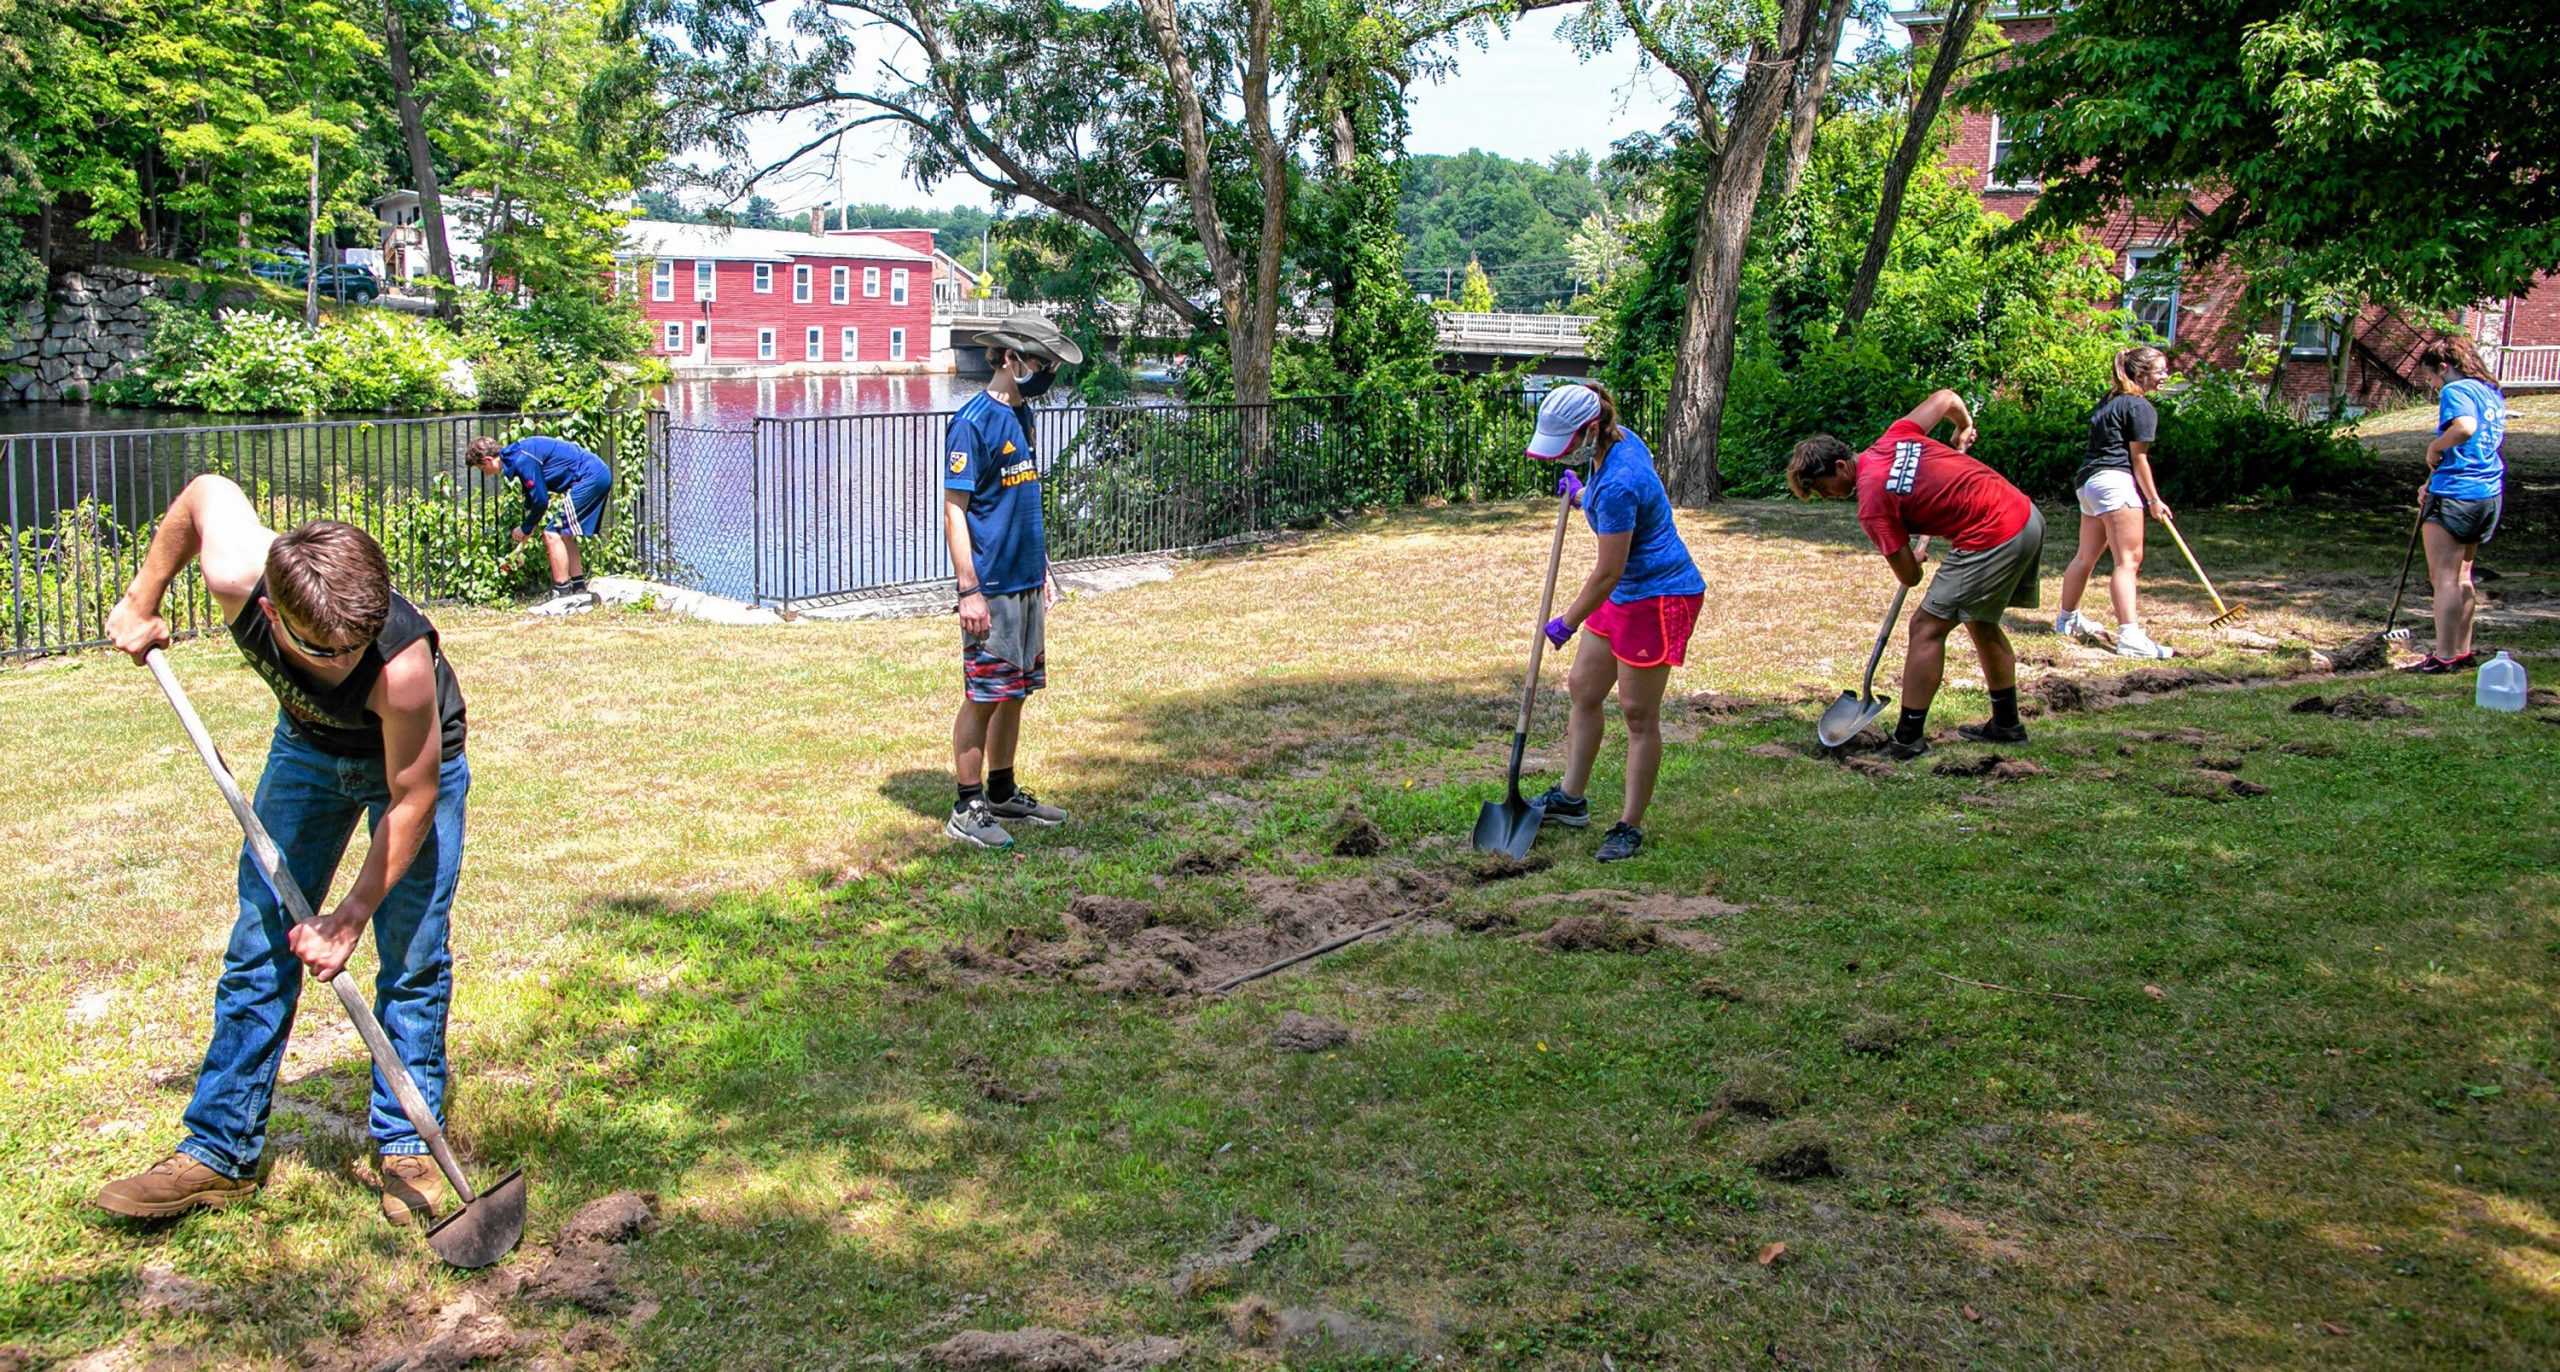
<point x="1910" y="483"/>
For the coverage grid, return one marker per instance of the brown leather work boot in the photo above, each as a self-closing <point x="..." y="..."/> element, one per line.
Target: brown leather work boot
<point x="172" y="1186"/>
<point x="413" y="1188"/>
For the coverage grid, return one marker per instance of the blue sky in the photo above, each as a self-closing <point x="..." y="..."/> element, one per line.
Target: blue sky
<point x="1525" y="95"/>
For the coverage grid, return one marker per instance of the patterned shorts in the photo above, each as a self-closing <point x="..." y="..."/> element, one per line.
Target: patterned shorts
<point x="988" y="678"/>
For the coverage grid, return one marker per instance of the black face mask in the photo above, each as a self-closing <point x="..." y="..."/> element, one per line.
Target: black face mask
<point x="1037" y="384"/>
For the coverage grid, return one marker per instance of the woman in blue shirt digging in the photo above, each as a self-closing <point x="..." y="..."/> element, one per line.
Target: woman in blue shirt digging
<point x="1639" y="603"/>
<point x="2466" y="486"/>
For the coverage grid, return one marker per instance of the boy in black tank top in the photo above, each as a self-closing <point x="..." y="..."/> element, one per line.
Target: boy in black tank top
<point x="371" y="727"/>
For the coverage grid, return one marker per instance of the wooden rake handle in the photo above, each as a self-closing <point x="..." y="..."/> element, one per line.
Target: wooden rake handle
<point x="2219" y="609"/>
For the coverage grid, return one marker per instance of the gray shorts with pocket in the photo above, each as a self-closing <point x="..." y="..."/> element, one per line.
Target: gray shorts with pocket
<point x="2469" y="521"/>
<point x="1977" y="587"/>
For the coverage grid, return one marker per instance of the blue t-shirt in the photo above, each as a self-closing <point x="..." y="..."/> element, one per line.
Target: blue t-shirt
<point x="2475" y="468"/>
<point x="542" y="465"/>
<point x="1626" y="497"/>
<point x="991" y="459"/>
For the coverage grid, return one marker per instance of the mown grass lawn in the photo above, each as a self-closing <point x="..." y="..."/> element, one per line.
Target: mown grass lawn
<point x="2269" y="1081"/>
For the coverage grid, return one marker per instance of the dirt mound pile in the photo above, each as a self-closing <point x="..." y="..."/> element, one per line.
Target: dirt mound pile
<point x="2356" y="705"/>
<point x="1116" y="946"/>
<point x="2063" y="695"/>
<point x="1207" y="1271"/>
<point x="1610" y="921"/>
<point x="1302" y="1033"/>
<point x="1990" y="767"/>
<point x="1798" y="1150"/>
<point x="1598" y="934"/>
<point x="2209" y="784"/>
<point x="2366" y="654"/>
<point x="1355" y="835"/>
<point x="587" y="1265"/>
<point x="1503" y="867"/>
<point x="1046" y="1350"/>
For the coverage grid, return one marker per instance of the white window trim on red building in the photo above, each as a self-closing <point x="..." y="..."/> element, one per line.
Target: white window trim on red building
<point x="726" y="323"/>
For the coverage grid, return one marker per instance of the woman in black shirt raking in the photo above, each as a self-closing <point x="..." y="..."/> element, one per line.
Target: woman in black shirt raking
<point x="2116" y="491"/>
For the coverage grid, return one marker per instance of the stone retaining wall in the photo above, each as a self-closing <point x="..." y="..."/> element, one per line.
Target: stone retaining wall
<point x="88" y="329"/>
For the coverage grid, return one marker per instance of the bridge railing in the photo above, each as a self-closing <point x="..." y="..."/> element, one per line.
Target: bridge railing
<point x="1513" y="334"/>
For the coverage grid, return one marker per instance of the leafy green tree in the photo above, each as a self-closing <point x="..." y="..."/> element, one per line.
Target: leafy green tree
<point x="1475" y="294"/>
<point x="2404" y="149"/>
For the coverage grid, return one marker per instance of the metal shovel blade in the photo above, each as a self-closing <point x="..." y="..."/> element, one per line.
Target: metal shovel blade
<point x="1847" y="718"/>
<point x="1508" y="826"/>
<point x="484" y="1231"/>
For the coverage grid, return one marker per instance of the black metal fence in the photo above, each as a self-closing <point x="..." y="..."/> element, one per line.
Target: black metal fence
<point x="788" y="511"/>
<point x="81" y="507"/>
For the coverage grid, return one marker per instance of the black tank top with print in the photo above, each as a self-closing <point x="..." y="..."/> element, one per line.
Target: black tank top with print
<point x="334" y="719"/>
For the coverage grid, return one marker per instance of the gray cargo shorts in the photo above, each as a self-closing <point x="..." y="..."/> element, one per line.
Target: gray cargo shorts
<point x="2469" y="521"/>
<point x="1976" y="587"/>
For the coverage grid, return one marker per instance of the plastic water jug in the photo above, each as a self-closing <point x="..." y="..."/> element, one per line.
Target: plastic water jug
<point x="2501" y="684"/>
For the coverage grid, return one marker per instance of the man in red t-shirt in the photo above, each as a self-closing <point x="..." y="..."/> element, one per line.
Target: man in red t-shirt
<point x="1910" y="486"/>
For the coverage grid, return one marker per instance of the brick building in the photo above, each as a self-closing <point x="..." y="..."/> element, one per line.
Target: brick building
<point x="2199" y="311"/>
<point x="779" y="302"/>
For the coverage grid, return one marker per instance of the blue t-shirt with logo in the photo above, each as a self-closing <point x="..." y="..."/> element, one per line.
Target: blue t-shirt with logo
<point x="2475" y="468"/>
<point x="1626" y="497"/>
<point x="991" y="459"/>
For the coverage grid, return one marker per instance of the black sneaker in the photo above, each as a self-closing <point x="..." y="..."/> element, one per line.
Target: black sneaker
<point x="1024" y="807"/>
<point x="1623" y="841"/>
<point x="1900" y="751"/>
<point x="1990" y="732"/>
<point x="1555" y="807"/>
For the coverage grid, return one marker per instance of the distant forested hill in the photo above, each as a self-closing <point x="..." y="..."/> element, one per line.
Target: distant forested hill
<point x="1513" y="216"/>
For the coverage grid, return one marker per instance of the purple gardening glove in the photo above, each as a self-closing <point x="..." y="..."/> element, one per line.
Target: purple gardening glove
<point x="1557" y="630"/>
<point x="1569" y="486"/>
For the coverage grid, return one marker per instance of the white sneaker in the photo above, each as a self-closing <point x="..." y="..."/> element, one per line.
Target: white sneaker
<point x="572" y="603"/>
<point x="2069" y="624"/>
<point x="2131" y="641"/>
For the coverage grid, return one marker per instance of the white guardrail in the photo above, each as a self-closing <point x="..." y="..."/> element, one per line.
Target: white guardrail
<point x="1524" y="334"/>
<point x="2533" y="366"/>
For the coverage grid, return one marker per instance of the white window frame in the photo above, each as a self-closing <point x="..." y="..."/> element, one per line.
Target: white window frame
<point x="662" y="279"/>
<point x="706" y="279"/>
<point x="764" y="345"/>
<point x="671" y="338"/>
<point x="800" y="284"/>
<point x="1992" y="180"/>
<point x="2135" y="259"/>
<point x="764" y="278"/>
<point x="898" y="286"/>
<point x="870" y="283"/>
<point x="839" y="285"/>
<point x="851" y="341"/>
<point x="816" y="345"/>
<point x="897" y="345"/>
<point x="2295" y="320"/>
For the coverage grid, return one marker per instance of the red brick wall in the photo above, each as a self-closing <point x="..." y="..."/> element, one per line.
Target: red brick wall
<point x="739" y="312"/>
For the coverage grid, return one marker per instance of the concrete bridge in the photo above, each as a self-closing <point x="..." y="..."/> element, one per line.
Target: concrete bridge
<point x="1474" y="342"/>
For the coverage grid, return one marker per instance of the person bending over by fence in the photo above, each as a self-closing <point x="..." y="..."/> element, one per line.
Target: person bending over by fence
<point x="1908" y="486"/>
<point x="545" y="466"/>
<point x="370" y="728"/>
<point x="1639" y="603"/>
<point x="1000" y="567"/>
<point x="2117" y="489"/>
<point x="2465" y="490"/>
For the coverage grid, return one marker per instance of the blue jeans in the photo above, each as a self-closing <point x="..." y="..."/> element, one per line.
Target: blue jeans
<point x="309" y="802"/>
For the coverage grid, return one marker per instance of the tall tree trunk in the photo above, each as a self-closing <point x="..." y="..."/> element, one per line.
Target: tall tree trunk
<point x="1812" y="83"/>
<point x="422" y="158"/>
<point x="1705" y="364"/>
<point x="1906" y="159"/>
<point x="311" y="247"/>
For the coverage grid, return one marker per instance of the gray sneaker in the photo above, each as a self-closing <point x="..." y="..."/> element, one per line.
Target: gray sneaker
<point x="1026" y="808"/>
<point x="976" y="823"/>
<point x="566" y="603"/>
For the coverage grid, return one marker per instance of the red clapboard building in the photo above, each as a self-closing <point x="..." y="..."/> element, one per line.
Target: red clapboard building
<point x="781" y="302"/>
<point x="2199" y="311"/>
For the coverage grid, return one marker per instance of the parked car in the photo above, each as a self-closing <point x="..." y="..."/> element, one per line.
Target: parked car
<point x="344" y="281"/>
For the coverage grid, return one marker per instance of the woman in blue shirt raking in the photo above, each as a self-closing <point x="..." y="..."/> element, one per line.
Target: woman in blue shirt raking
<point x="2466" y="484"/>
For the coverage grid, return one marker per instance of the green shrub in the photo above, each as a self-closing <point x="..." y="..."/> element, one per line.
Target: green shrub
<point x="254" y="362"/>
<point x="380" y="360"/>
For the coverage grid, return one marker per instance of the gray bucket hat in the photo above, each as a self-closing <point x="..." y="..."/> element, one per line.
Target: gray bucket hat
<point x="1031" y="333"/>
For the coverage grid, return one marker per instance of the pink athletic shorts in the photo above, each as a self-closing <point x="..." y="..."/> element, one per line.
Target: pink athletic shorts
<point x="1653" y="632"/>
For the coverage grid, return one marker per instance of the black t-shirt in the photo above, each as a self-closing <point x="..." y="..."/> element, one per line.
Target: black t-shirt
<point x="334" y="719"/>
<point x="2118" y="421"/>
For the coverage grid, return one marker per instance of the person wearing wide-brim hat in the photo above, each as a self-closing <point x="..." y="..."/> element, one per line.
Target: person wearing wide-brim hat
<point x="1000" y="567"/>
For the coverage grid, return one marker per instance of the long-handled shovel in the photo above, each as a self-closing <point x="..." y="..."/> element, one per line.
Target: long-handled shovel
<point x="1511" y="825"/>
<point x="489" y="1222"/>
<point x="1853" y="712"/>
<point x="2223" y="614"/>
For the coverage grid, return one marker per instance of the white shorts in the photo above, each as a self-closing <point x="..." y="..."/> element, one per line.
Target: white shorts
<point x="2108" y="492"/>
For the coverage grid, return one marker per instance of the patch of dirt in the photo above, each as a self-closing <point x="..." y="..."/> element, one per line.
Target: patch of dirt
<point x="1776" y="750"/>
<point x="1708" y="988"/>
<point x="158" y="1291"/>
<point x="587" y="1263"/>
<point x="1647" y="907"/>
<point x="910" y="963"/>
<point x="1598" y="934"/>
<point x="2366" y="654"/>
<point x="618" y="1218"/>
<point x="1210" y="1270"/>
<point x="1989" y="766"/>
<point x="991" y="1085"/>
<point x="463" y="1334"/>
<point x="1111" y="916"/>
<point x="2310" y="747"/>
<point x="2542" y="698"/>
<point x="1797" y="1150"/>
<point x="1284" y="916"/>
<point x="1752" y="1090"/>
<point x="2064" y="695"/>
<point x="1973" y="1236"/>
<point x="1355" y="835"/>
<point x="1719" y="705"/>
<point x="1869" y="766"/>
<point x="1208" y="860"/>
<point x="1303" y="1033"/>
<point x="1868" y="740"/>
<point x="1257" y="1323"/>
<point x="2211" y="785"/>
<point x="1017" y="1350"/>
<point x="2356" y="705"/>
<point x="2193" y="737"/>
<point x="2213" y="762"/>
<point x="1881" y="1036"/>
<point x="1488" y="920"/>
<point x="1503" y="867"/>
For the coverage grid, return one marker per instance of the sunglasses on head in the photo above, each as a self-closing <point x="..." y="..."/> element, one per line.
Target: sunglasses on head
<point x="309" y="648"/>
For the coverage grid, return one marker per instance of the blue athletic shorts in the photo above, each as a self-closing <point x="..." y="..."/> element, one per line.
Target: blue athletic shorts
<point x="587" y="495"/>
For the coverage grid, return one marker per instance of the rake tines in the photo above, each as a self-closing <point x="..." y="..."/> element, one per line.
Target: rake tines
<point x="2231" y="614"/>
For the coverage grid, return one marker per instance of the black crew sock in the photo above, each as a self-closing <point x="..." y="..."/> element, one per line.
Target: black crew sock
<point x="967" y="794"/>
<point x="2004" y="707"/>
<point x="999" y="785"/>
<point x="1909" y="727"/>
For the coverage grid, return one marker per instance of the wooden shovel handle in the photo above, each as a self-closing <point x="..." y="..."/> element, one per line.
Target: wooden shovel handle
<point x="1546" y="609"/>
